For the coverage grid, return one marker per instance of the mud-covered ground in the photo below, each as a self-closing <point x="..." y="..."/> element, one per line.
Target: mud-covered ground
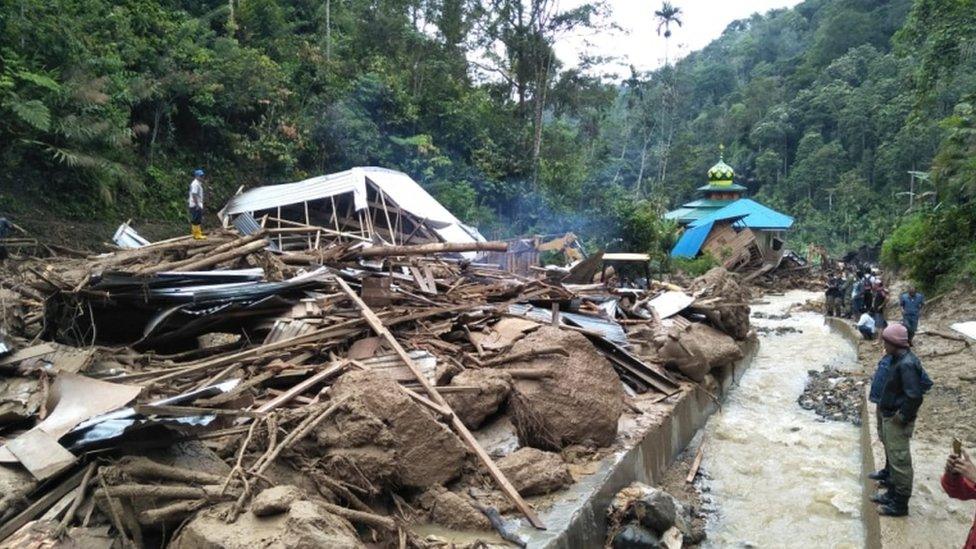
<point x="949" y="408"/>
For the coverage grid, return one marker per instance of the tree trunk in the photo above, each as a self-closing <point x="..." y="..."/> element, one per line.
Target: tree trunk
<point x="640" y="173"/>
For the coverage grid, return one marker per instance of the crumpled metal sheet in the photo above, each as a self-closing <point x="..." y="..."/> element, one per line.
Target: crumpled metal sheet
<point x="128" y="239"/>
<point x="111" y="427"/>
<point x="606" y="327"/>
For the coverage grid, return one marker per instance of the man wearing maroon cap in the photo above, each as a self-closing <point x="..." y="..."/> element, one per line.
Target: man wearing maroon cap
<point x="900" y="399"/>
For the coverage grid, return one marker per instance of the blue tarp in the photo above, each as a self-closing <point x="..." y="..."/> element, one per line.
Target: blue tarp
<point x="753" y="215"/>
<point x="691" y="242"/>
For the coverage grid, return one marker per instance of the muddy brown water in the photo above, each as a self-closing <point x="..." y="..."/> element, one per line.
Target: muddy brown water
<point x="777" y="475"/>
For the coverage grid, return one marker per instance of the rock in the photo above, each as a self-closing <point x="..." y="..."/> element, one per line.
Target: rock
<point x="634" y="536"/>
<point x="579" y="404"/>
<point x="650" y="508"/>
<point x="657" y="510"/>
<point x="473" y="408"/>
<point x="534" y="472"/>
<point x="305" y="525"/>
<point x="384" y="435"/>
<point x="452" y="510"/>
<point x="274" y="500"/>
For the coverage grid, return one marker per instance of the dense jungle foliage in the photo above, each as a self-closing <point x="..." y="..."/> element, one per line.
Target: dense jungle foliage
<point x="824" y="109"/>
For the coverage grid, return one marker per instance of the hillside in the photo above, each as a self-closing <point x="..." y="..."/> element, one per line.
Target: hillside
<point x="824" y="109"/>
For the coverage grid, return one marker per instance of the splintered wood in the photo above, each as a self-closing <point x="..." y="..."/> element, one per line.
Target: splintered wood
<point x="254" y="349"/>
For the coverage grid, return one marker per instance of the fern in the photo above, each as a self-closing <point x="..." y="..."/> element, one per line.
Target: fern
<point x="39" y="80"/>
<point x="32" y="112"/>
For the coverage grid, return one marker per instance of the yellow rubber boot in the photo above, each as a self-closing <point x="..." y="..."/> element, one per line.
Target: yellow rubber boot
<point x="198" y="233"/>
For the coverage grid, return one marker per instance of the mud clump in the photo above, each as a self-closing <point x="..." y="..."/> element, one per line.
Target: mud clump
<point x="579" y="403"/>
<point x="535" y="472"/>
<point x="451" y="510"/>
<point x="305" y="524"/>
<point x="698" y="348"/>
<point x="473" y="408"/>
<point x="733" y="318"/>
<point x="274" y="500"/>
<point x="383" y="435"/>
<point x="834" y="395"/>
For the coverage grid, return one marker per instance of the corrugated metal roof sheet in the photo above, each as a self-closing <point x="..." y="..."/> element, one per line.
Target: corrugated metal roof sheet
<point x="398" y="187"/>
<point x="691" y="241"/>
<point x="753" y="215"/>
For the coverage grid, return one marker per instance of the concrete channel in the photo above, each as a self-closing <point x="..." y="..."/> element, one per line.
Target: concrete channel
<point x="577" y="519"/>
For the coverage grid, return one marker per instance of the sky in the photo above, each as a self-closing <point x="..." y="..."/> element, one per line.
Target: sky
<point x="638" y="43"/>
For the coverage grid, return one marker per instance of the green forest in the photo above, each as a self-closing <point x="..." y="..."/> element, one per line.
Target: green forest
<point x="855" y="116"/>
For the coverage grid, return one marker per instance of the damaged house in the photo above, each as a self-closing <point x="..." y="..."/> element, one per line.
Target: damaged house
<point x="364" y="204"/>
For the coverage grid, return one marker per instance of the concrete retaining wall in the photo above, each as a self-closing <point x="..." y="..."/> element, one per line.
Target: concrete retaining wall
<point x="869" y="516"/>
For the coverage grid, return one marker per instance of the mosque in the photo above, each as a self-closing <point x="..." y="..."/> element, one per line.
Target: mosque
<point x="737" y="231"/>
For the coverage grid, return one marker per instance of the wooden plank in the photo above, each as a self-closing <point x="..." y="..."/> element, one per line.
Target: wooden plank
<point x="463" y="431"/>
<point x="30" y="352"/>
<point x="41" y="454"/>
<point x="302" y="387"/>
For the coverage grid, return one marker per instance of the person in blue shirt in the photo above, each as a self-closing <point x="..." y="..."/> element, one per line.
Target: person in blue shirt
<point x="911" y="308"/>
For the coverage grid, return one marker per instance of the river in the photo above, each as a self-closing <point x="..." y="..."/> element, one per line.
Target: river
<point x="777" y="475"/>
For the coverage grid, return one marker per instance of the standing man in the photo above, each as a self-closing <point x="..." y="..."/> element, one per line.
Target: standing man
<point x="845" y="296"/>
<point x="900" y="399"/>
<point x="911" y="309"/>
<point x="195" y="203"/>
<point x="857" y="296"/>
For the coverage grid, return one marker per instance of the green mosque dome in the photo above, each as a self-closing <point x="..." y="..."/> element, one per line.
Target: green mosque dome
<point x="721" y="173"/>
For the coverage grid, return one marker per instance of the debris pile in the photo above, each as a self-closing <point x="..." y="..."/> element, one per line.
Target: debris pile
<point x="317" y="387"/>
<point x="834" y="395"/>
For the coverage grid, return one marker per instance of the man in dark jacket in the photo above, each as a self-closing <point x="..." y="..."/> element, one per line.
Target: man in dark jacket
<point x="899" y="403"/>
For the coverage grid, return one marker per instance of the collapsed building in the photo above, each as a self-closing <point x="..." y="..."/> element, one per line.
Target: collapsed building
<point x="742" y="234"/>
<point x="333" y="368"/>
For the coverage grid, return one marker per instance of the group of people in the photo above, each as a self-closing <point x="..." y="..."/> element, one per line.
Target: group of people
<point x="898" y="389"/>
<point x="862" y="295"/>
<point x="855" y="292"/>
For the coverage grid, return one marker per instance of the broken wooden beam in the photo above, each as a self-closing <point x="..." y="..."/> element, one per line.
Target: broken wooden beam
<point x="427" y="249"/>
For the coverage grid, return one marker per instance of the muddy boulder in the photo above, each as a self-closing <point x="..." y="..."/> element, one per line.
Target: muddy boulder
<point x="305" y="524"/>
<point x="698" y="348"/>
<point x="473" y="408"/>
<point x="384" y="435"/>
<point x="534" y="472"/>
<point x="579" y="403"/>
<point x="451" y="510"/>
